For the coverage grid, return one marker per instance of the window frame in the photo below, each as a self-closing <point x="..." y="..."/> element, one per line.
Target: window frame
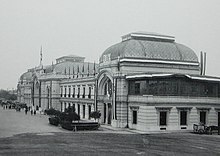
<point x="186" y="118"/>
<point x="166" y="118"/>
<point x="134" y="118"/>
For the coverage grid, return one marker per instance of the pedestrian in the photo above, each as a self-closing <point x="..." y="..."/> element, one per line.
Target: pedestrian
<point x="34" y="112"/>
<point x="40" y="110"/>
<point x="26" y="110"/>
<point x="31" y="112"/>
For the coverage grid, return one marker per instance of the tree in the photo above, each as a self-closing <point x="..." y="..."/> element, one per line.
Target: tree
<point x="52" y="111"/>
<point x="95" y="115"/>
<point x="7" y="95"/>
<point x="69" y="115"/>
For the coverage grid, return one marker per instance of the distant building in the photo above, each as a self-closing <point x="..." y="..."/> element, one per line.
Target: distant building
<point x="146" y="82"/>
<point x="41" y="86"/>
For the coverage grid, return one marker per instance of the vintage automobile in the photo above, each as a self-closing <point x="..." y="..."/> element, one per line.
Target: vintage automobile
<point x="204" y="129"/>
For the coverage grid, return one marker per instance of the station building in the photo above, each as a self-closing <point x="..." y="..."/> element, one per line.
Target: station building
<point x="147" y="82"/>
<point x="45" y="87"/>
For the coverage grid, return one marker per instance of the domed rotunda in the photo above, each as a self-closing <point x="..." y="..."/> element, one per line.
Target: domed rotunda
<point x="159" y="51"/>
<point x="150" y="46"/>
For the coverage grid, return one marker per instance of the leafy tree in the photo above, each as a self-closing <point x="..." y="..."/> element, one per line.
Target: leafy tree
<point x="71" y="115"/>
<point x="95" y="115"/>
<point x="68" y="115"/>
<point x="7" y="95"/>
<point x="52" y="111"/>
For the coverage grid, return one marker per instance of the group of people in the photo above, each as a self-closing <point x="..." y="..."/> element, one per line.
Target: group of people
<point x="33" y="111"/>
<point x="7" y="106"/>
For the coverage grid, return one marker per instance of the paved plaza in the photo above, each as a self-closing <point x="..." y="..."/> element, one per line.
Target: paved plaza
<point x="22" y="134"/>
<point x="12" y="122"/>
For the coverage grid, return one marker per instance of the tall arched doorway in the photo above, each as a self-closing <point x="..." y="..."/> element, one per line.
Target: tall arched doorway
<point x="105" y="94"/>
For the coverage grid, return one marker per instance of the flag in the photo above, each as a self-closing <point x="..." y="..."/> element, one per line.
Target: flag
<point x="73" y="72"/>
<point x="82" y="69"/>
<point x="65" y="71"/>
<point x="94" y="69"/>
<point x="88" y="70"/>
<point x="118" y="65"/>
<point x="77" y="71"/>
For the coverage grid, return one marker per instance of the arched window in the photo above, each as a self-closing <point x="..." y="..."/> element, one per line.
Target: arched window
<point x="108" y="88"/>
<point x="105" y="89"/>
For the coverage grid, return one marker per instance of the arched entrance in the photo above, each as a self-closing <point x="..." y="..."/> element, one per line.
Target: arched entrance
<point x="105" y="93"/>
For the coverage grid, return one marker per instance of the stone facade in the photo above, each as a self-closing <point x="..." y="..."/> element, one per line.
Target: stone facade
<point x="137" y="85"/>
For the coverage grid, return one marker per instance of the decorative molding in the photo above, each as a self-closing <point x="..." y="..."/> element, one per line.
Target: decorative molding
<point x="134" y="108"/>
<point x="203" y="108"/>
<point x="164" y="108"/>
<point x="159" y="61"/>
<point x="184" y="108"/>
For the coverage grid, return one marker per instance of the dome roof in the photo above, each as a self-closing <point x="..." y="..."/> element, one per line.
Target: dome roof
<point x="149" y="46"/>
<point x="26" y="76"/>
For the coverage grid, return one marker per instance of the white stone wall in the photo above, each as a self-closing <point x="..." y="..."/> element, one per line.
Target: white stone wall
<point x="148" y="118"/>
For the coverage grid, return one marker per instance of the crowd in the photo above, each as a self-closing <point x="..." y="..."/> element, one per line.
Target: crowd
<point x="26" y="109"/>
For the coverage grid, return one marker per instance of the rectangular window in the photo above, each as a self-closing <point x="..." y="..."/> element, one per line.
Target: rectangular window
<point x="134" y="115"/>
<point x="84" y="111"/>
<point x="84" y="90"/>
<point x="78" y="95"/>
<point x="137" y="88"/>
<point x="69" y="91"/>
<point x="65" y="92"/>
<point x="89" y="95"/>
<point x="183" y="118"/>
<point x="163" y="118"/>
<point x="73" y="92"/>
<point x="89" y="112"/>
<point x="61" y="92"/>
<point x="203" y="117"/>
<point x="78" y="109"/>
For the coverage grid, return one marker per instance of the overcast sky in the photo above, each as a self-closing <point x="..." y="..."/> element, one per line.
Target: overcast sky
<point x="88" y="27"/>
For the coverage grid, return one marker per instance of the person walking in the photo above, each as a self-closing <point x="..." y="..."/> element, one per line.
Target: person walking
<point x="26" y="110"/>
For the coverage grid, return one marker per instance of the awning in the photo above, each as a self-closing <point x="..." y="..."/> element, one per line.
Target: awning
<point x="148" y="76"/>
<point x="203" y="78"/>
<point x="157" y="75"/>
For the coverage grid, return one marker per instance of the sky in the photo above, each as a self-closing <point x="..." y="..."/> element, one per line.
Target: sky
<point x="88" y="27"/>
